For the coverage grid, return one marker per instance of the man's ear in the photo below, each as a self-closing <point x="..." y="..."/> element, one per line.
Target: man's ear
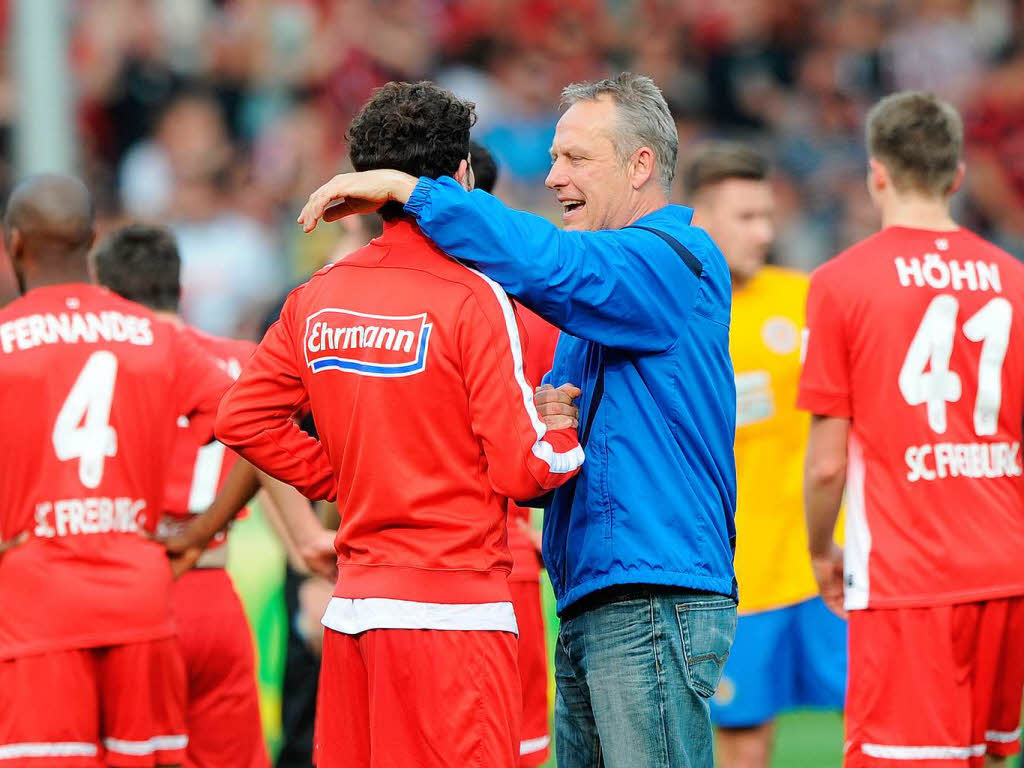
<point x="958" y="179"/>
<point x="878" y="175"/>
<point x="15" y="245"/>
<point x="641" y="167"/>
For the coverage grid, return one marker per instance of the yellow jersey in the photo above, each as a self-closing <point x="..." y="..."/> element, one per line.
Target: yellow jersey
<point x="772" y="565"/>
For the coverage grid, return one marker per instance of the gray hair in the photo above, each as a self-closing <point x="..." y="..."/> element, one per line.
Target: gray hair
<point x="644" y="118"/>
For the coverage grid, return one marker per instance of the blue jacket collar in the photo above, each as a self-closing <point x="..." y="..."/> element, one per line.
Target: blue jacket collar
<point x="675" y="211"/>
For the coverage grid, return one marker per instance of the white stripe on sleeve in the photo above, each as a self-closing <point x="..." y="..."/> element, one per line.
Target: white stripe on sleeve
<point x="529" y="746"/>
<point x="1002" y="737"/>
<point x="558" y="463"/>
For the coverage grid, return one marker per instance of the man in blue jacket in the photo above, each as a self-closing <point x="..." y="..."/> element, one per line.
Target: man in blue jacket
<point x="640" y="547"/>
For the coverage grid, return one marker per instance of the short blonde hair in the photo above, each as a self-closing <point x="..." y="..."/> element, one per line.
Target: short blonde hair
<point x="713" y="162"/>
<point x="919" y="138"/>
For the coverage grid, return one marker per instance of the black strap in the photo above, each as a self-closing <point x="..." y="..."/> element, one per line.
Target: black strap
<point x="595" y="400"/>
<point x="693" y="263"/>
<point x="688" y="258"/>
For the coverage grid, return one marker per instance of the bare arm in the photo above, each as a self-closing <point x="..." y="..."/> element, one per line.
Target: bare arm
<point x="276" y="522"/>
<point x="11" y="543"/>
<point x="301" y="531"/>
<point x="304" y="536"/>
<point x="824" y="481"/>
<point x="238" y="489"/>
<point x="185" y="548"/>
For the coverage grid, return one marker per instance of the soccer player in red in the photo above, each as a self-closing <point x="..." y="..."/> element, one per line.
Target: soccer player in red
<point x="91" y="385"/>
<point x="914" y="375"/>
<point x="413" y="367"/>
<point x="141" y="263"/>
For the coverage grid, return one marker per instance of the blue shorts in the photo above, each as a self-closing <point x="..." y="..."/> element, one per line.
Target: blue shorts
<point x="782" y="659"/>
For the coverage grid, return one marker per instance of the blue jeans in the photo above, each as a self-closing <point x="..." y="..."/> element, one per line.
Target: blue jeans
<point x="634" y="673"/>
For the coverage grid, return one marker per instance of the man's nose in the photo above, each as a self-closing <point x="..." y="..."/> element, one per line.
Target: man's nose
<point x="556" y="176"/>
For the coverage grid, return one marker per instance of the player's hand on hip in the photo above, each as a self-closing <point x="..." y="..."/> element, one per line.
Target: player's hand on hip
<point x="184" y="546"/>
<point x="556" y="406"/>
<point x="536" y="538"/>
<point x="16" y="541"/>
<point x="351" y="193"/>
<point x="828" y="571"/>
<point x="183" y="562"/>
<point x="319" y="555"/>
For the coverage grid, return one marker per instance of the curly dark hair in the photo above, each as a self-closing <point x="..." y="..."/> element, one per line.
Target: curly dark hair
<point x="419" y="128"/>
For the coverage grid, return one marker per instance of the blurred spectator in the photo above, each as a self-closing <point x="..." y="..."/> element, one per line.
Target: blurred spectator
<point x="935" y="48"/>
<point x="995" y="147"/>
<point x="185" y="175"/>
<point x="521" y="133"/>
<point x="747" y="67"/>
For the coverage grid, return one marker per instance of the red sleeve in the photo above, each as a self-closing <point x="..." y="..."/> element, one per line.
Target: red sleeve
<point x="825" y="378"/>
<point x="199" y="383"/>
<point x="524" y="459"/>
<point x="256" y="416"/>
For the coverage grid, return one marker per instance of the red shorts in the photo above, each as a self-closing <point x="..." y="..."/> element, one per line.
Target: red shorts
<point x="534" y="745"/>
<point x="221" y="670"/>
<point x="416" y="697"/>
<point x="934" y="687"/>
<point x="117" y="706"/>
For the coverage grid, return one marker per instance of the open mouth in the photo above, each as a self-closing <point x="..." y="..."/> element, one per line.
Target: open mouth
<point x="568" y="206"/>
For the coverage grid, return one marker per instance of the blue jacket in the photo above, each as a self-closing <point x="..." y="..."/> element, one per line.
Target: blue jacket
<point x="656" y="498"/>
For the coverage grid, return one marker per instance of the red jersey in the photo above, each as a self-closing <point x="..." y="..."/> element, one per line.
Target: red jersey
<point x="412" y="366"/>
<point x="92" y="386"/>
<point x="196" y="471"/>
<point x="539" y="341"/>
<point x="917" y="337"/>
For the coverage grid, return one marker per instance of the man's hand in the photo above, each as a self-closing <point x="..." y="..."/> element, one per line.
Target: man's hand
<point x="184" y="545"/>
<point x="536" y="538"/>
<point x="181" y="556"/>
<point x="6" y="546"/>
<point x="556" y="407"/>
<point x="319" y="555"/>
<point x="351" y="193"/>
<point x="828" y="571"/>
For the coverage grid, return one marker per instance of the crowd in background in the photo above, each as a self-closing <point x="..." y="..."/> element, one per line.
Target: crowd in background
<point x="218" y="117"/>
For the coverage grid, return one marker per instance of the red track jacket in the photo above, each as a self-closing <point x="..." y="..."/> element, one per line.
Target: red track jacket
<point x="413" y="368"/>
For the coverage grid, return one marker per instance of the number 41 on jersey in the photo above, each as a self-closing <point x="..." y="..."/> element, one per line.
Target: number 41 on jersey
<point x="932" y="348"/>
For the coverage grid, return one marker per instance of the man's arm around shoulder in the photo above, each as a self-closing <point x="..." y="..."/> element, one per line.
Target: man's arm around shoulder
<point x="620" y="288"/>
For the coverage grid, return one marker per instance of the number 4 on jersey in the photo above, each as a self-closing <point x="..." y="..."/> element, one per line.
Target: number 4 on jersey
<point x="932" y="347"/>
<point x="82" y="430"/>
